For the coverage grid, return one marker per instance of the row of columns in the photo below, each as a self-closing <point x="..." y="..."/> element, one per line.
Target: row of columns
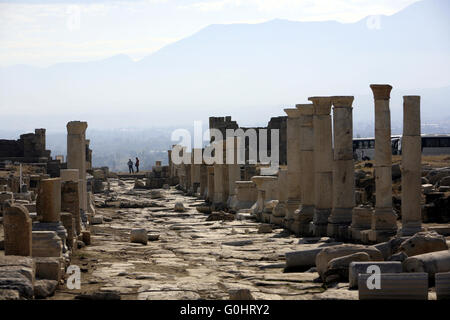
<point x="317" y="192"/>
<point x="325" y="171"/>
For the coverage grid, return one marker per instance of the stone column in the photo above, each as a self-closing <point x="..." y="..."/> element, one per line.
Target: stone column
<point x="171" y="167"/>
<point x="304" y="216"/>
<point x="343" y="168"/>
<point x="246" y="195"/>
<point x="68" y="193"/>
<point x="70" y="201"/>
<point x="234" y="170"/>
<point x="210" y="195"/>
<point x="293" y="162"/>
<point x="219" y="185"/>
<point x="203" y="181"/>
<point x="17" y="227"/>
<point x="278" y="216"/>
<point x="323" y="165"/>
<point x="196" y="158"/>
<point x="384" y="220"/>
<point x="76" y="155"/>
<point x="50" y="200"/>
<point x="48" y="207"/>
<point x="188" y="176"/>
<point x="88" y="155"/>
<point x="265" y="187"/>
<point x="411" y="167"/>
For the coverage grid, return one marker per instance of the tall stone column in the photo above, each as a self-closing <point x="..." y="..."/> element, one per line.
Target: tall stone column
<point x="88" y="155"/>
<point x="343" y="168"/>
<point x="187" y="167"/>
<point x="304" y="215"/>
<point x="210" y="191"/>
<point x="323" y="165"/>
<point x="203" y="181"/>
<point x="196" y="157"/>
<point x="293" y="162"/>
<point x="411" y="167"/>
<point x="76" y="155"/>
<point x="384" y="220"/>
<point x="219" y="181"/>
<point x="234" y="170"/>
<point x="171" y="167"/>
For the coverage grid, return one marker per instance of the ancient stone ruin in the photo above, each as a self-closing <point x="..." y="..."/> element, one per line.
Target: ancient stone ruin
<point x="322" y="225"/>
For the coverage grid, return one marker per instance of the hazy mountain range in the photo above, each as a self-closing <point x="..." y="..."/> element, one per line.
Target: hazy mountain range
<point x="249" y="71"/>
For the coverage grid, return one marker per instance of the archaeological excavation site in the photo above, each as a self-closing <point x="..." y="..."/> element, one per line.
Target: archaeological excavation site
<point x="322" y="225"/>
<point x="224" y="159"/>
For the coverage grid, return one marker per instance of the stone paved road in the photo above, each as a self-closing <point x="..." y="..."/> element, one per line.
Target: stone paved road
<point x="193" y="258"/>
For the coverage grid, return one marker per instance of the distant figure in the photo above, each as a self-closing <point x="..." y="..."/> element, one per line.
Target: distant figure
<point x="137" y="165"/>
<point x="130" y="166"/>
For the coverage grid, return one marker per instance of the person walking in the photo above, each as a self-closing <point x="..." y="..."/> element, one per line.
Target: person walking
<point x="137" y="165"/>
<point x="130" y="166"/>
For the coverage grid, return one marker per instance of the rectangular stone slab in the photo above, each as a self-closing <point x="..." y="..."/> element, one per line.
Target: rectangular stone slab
<point x="443" y="286"/>
<point x="48" y="268"/>
<point x="357" y="268"/>
<point x="395" y="286"/>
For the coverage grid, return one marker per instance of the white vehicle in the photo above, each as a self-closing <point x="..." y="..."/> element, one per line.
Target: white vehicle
<point x="432" y="144"/>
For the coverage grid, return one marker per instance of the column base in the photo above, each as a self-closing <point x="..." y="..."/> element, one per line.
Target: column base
<point x="384" y="219"/>
<point x="355" y="234"/>
<point x="377" y="236"/>
<point x="291" y="206"/>
<point x="300" y="229"/>
<point x="318" y="230"/>
<point x="53" y="226"/>
<point x="231" y="201"/>
<point x="218" y="206"/>
<point x="338" y="231"/>
<point x="302" y="221"/>
<point x="320" y="222"/>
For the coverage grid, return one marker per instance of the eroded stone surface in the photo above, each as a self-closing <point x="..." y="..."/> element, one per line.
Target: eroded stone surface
<point x="193" y="258"/>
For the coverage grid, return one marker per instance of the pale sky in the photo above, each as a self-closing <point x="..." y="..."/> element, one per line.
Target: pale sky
<point x="42" y="33"/>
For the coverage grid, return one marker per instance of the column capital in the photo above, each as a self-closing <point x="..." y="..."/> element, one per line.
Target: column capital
<point x="342" y="101"/>
<point x="292" y="113"/>
<point x="76" y="127"/>
<point x="322" y="105"/>
<point x="381" y="91"/>
<point x="305" y="109"/>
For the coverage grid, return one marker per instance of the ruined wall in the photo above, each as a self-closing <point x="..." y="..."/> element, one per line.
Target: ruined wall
<point x="223" y="123"/>
<point x="30" y="147"/>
